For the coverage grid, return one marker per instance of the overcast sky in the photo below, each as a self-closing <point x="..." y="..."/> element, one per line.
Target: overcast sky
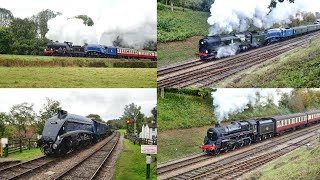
<point x="27" y="8"/>
<point x="108" y="103"/>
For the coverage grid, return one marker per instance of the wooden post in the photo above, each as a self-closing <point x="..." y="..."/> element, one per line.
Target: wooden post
<point x="28" y="144"/>
<point x="20" y="143"/>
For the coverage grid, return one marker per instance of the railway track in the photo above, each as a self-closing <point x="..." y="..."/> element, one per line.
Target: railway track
<point x="90" y="166"/>
<point x="21" y="169"/>
<point x="183" y="169"/>
<point x="206" y="74"/>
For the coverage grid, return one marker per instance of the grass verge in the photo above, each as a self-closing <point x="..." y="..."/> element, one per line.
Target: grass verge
<point x="179" y="51"/>
<point x="131" y="164"/>
<point x="34" y="77"/>
<point x="180" y="142"/>
<point x="183" y="111"/>
<point x="300" y="164"/>
<point x="297" y="68"/>
<point x="26" y="155"/>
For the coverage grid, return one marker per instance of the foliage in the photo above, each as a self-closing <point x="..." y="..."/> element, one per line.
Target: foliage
<point x="48" y="110"/>
<point x="95" y="117"/>
<point x="273" y="3"/>
<point x="86" y="20"/>
<point x="117" y="123"/>
<point x="133" y="112"/>
<point x="180" y="24"/>
<point x="41" y="19"/>
<point x="5" y="40"/>
<point x="21" y="116"/>
<point x="198" y="5"/>
<point x="3" y="120"/>
<point x="5" y="17"/>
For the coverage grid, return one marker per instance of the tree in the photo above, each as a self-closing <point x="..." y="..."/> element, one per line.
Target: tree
<point x="5" y="40"/>
<point x="3" y="120"/>
<point x="95" y="117"/>
<point x="132" y="112"/>
<point x="86" y="20"/>
<point x="21" y="115"/>
<point x="42" y="18"/>
<point x="48" y="110"/>
<point x="5" y="17"/>
<point x="273" y="3"/>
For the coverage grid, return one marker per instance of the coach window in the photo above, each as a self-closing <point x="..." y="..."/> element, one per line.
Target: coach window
<point x="278" y="123"/>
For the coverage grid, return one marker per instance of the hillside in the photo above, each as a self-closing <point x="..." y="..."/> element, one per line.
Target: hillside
<point x="183" y="111"/>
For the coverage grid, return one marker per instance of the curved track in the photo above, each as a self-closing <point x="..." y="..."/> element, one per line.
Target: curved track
<point x="89" y="167"/>
<point x="202" y="74"/>
<point x="199" y="165"/>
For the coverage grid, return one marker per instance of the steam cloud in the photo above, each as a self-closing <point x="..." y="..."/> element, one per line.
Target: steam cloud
<point x="230" y="15"/>
<point x="229" y="101"/>
<point x="133" y="21"/>
<point x="229" y="50"/>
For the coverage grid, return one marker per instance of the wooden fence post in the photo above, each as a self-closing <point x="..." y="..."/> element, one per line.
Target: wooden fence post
<point x="20" y="143"/>
<point x="28" y="144"/>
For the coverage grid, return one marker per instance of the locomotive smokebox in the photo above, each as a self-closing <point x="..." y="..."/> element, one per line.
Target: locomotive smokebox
<point x="217" y="124"/>
<point x="62" y="113"/>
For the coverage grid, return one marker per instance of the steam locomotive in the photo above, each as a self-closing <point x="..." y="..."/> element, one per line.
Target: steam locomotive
<point x="67" y="132"/>
<point x="94" y="50"/>
<point x="242" y="133"/>
<point x="210" y="46"/>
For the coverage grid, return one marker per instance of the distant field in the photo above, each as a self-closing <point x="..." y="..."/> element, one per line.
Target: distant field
<point x="297" y="68"/>
<point x="67" y="77"/>
<point x="50" y="61"/>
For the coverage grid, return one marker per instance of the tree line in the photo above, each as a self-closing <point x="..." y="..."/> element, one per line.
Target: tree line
<point x="23" y="122"/>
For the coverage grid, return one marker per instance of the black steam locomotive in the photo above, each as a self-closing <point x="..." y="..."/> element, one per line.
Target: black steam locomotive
<point x="242" y="133"/>
<point x="67" y="132"/>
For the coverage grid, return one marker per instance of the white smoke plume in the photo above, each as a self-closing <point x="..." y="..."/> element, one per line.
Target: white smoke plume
<point x="133" y="21"/>
<point x="232" y="100"/>
<point x="230" y="15"/>
<point x="225" y="51"/>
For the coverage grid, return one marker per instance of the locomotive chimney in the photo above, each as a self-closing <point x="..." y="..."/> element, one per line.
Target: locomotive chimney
<point x="62" y="113"/>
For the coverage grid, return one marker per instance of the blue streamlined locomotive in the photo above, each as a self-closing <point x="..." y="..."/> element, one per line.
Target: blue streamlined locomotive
<point x="209" y="46"/>
<point x="66" y="132"/>
<point x="238" y="134"/>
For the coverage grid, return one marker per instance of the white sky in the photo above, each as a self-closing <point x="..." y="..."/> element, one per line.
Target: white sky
<point x="108" y="103"/>
<point x="27" y="8"/>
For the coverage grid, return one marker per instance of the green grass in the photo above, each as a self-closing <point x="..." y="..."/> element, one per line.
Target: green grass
<point x="34" y="77"/>
<point x="131" y="164"/>
<point x="180" y="25"/>
<point x="173" y="52"/>
<point x="300" y="164"/>
<point x="183" y="111"/>
<point x="297" y="68"/>
<point x="26" y="154"/>
<point x="180" y="142"/>
<point x="121" y="131"/>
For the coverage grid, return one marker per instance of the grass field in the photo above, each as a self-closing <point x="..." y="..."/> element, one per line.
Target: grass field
<point x="67" y="77"/>
<point x="180" y="142"/>
<point x="297" y="68"/>
<point x="26" y="154"/>
<point x="300" y="164"/>
<point x="183" y="111"/>
<point x="131" y="164"/>
<point x="179" y="51"/>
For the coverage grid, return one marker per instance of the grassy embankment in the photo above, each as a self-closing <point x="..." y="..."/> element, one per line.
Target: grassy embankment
<point x="184" y="119"/>
<point x="132" y="164"/>
<point x="297" y="68"/>
<point x="26" y="155"/>
<point x="179" y="33"/>
<point x="300" y="164"/>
